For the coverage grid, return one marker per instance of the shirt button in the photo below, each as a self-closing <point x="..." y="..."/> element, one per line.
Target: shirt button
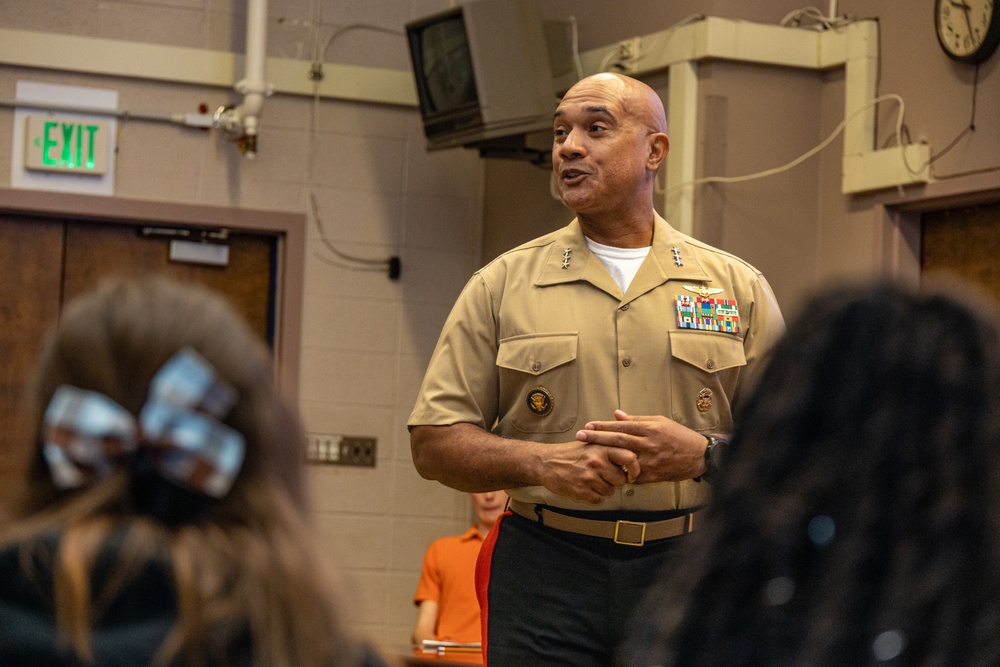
<point x="625" y="307"/>
<point x="630" y="492"/>
<point x="538" y="366"/>
<point x="710" y="364"/>
<point x="626" y="362"/>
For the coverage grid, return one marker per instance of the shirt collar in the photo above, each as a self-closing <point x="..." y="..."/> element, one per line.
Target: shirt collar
<point x="569" y="260"/>
<point x="471" y="534"/>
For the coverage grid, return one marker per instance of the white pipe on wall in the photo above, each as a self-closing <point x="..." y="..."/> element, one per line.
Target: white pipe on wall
<point x="254" y="86"/>
<point x="200" y="120"/>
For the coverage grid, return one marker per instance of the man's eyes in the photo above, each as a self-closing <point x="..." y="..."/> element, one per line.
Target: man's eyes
<point x="562" y="131"/>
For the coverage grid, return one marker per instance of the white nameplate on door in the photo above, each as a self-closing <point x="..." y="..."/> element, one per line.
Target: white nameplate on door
<point x="193" y="252"/>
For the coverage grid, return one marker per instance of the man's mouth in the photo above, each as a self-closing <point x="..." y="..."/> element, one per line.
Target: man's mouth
<point x="572" y="176"/>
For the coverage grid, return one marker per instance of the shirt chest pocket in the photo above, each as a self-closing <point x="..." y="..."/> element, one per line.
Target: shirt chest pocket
<point x="539" y="384"/>
<point x="703" y="377"/>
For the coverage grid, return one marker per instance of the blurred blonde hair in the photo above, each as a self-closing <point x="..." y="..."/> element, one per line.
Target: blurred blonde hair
<point x="249" y="565"/>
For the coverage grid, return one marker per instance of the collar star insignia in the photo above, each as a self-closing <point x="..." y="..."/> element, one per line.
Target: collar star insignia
<point x="701" y="290"/>
<point x="677" y="256"/>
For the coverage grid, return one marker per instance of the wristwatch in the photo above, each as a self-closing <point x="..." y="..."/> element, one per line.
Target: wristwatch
<point x="713" y="456"/>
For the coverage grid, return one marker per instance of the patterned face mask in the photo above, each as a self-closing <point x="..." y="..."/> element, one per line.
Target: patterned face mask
<point x="88" y="436"/>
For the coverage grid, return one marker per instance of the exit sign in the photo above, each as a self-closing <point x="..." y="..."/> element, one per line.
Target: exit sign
<point x="67" y="145"/>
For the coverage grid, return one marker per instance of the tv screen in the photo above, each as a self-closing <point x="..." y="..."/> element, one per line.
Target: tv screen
<point x="445" y="75"/>
<point x="482" y="72"/>
<point x="447" y="66"/>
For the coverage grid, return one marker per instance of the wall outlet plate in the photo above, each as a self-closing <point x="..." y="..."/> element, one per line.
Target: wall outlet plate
<point x="343" y="450"/>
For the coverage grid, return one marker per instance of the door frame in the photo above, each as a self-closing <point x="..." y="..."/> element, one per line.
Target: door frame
<point x="899" y="218"/>
<point x="288" y="229"/>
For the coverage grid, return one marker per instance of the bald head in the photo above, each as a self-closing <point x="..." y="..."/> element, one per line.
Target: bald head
<point x="639" y="102"/>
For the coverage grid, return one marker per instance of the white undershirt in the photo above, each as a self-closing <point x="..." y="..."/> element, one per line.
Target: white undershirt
<point x="621" y="263"/>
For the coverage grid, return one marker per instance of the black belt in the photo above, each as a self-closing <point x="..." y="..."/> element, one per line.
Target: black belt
<point x="631" y="533"/>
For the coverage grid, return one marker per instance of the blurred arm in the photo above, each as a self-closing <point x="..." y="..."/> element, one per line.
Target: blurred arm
<point x="427" y="616"/>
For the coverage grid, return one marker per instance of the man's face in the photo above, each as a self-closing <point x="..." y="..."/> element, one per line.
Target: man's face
<point x="489" y="506"/>
<point x="599" y="148"/>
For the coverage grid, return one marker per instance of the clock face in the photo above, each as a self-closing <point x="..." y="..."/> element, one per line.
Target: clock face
<point x="967" y="29"/>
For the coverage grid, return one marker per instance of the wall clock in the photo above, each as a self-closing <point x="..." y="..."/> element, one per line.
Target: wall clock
<point x="968" y="30"/>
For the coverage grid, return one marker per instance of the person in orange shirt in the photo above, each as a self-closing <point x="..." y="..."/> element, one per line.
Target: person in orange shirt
<point x="448" y="609"/>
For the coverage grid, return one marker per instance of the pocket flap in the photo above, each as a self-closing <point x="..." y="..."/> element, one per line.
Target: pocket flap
<point x="708" y="351"/>
<point x="535" y="354"/>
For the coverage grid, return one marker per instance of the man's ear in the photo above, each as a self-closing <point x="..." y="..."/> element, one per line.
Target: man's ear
<point x="659" y="145"/>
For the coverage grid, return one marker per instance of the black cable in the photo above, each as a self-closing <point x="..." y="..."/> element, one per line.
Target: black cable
<point x="970" y="128"/>
<point x="367" y="264"/>
<point x="350" y="267"/>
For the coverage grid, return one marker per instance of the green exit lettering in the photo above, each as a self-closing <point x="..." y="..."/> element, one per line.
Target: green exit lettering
<point x="67" y="145"/>
<point x="77" y="149"/>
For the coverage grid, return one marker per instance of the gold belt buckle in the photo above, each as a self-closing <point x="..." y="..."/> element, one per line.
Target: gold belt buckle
<point x="623" y="539"/>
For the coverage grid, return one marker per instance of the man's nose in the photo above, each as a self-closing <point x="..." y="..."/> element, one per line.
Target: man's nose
<point x="573" y="144"/>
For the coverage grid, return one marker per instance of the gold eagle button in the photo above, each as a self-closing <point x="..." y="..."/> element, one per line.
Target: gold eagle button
<point x="704" y="400"/>
<point x="540" y="401"/>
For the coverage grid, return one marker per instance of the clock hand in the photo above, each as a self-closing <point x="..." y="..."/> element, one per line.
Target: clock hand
<point x="968" y="21"/>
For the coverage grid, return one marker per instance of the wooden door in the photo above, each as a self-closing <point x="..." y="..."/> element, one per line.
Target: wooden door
<point x="95" y="251"/>
<point x="30" y="286"/>
<point x="964" y="242"/>
<point x="44" y="263"/>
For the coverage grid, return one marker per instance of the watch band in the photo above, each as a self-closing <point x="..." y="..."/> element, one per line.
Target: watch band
<point x="713" y="455"/>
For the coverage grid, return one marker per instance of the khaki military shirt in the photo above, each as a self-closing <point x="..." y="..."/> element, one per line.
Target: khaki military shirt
<point x="542" y="340"/>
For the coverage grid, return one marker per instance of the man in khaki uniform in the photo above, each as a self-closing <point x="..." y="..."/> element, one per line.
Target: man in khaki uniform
<point x="584" y="372"/>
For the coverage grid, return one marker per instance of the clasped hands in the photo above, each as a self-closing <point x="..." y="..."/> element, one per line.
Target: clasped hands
<point x="629" y="450"/>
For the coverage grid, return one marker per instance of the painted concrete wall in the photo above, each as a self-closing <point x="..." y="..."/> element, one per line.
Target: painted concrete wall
<point x="366" y="339"/>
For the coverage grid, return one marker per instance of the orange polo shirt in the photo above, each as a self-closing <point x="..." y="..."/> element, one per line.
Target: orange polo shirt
<point x="448" y="577"/>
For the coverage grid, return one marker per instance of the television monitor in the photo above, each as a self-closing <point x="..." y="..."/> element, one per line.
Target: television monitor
<point x="482" y="73"/>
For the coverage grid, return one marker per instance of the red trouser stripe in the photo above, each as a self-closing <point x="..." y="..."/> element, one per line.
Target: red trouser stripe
<point x="483" y="565"/>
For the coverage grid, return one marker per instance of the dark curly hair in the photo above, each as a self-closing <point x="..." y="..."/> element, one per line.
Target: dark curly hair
<point x="856" y="519"/>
